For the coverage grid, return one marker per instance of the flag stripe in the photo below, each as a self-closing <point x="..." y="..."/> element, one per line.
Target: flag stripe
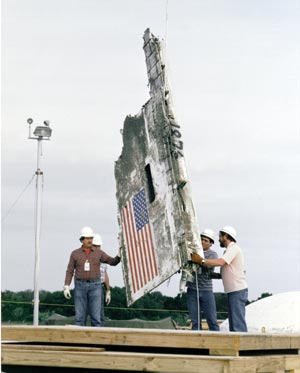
<point x="149" y="248"/>
<point x="140" y="249"/>
<point x="145" y="256"/>
<point x="129" y="248"/>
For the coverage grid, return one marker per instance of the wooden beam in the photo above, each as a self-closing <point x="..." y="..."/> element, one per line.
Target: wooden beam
<point x="293" y="363"/>
<point x="114" y="361"/>
<point x="11" y="346"/>
<point x="35" y="356"/>
<point x="268" y="341"/>
<point x="214" y="341"/>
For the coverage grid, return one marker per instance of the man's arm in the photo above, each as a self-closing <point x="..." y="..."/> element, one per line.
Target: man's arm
<point x="106" y="284"/>
<point x="218" y="262"/>
<point x="69" y="276"/>
<point x="70" y="270"/>
<point x="105" y="258"/>
<point x="106" y="281"/>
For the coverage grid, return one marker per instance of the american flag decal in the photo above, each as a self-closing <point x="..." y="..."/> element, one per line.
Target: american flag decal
<point x="138" y="236"/>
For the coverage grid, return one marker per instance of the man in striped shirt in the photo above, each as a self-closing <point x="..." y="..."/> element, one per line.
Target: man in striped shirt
<point x="200" y="296"/>
<point x="106" y="295"/>
<point x="84" y="265"/>
<point x="104" y="279"/>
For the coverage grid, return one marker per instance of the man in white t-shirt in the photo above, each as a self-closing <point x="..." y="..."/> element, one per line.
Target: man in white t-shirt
<point x="233" y="277"/>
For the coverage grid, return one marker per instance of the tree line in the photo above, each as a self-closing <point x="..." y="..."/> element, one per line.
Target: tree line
<point x="17" y="307"/>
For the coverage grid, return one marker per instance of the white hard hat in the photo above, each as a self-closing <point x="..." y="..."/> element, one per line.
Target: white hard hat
<point x="86" y="232"/>
<point x="208" y="233"/>
<point x="97" y="240"/>
<point x="229" y="230"/>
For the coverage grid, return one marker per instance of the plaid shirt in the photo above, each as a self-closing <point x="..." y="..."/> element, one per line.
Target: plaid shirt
<point x="95" y="258"/>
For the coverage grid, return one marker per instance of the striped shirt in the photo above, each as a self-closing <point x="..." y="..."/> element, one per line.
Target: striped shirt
<point x="78" y="259"/>
<point x="103" y="269"/>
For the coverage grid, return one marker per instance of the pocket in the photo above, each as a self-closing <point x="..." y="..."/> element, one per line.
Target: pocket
<point x="245" y="295"/>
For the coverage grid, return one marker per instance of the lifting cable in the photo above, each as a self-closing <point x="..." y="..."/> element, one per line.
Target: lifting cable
<point x="166" y="24"/>
<point x="198" y="300"/>
<point x="17" y="199"/>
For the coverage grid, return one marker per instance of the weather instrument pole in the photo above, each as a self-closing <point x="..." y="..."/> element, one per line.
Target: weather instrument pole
<point x="40" y="133"/>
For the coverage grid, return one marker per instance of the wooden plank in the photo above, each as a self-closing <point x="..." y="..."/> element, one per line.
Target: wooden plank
<point x="11" y="346"/>
<point x="292" y="362"/>
<point x="285" y="363"/>
<point x="115" y="361"/>
<point x="223" y="352"/>
<point x="233" y="342"/>
<point x="119" y="336"/>
<point x="268" y="341"/>
<point x="148" y="362"/>
<point x="274" y="363"/>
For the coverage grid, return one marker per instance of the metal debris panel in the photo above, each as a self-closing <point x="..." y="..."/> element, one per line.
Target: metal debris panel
<point x="158" y="227"/>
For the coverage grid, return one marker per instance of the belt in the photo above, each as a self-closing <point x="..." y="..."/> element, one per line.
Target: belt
<point x="80" y="280"/>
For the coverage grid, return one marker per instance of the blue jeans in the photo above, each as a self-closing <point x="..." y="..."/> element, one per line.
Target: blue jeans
<point x="236" y="310"/>
<point x="87" y="297"/>
<point x="207" y="304"/>
<point x="102" y="316"/>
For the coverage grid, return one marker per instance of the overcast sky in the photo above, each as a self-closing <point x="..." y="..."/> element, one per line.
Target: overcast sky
<point x="234" y="71"/>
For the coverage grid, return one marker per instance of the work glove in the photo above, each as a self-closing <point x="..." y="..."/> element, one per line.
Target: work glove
<point x="107" y="297"/>
<point x="67" y="293"/>
<point x="196" y="258"/>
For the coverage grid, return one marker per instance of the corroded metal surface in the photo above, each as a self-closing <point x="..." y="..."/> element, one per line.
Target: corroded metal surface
<point x="158" y="227"/>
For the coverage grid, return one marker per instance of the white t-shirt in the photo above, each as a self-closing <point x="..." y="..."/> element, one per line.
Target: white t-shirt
<point x="233" y="273"/>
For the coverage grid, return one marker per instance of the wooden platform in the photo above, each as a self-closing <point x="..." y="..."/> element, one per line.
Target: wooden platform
<point x="149" y="350"/>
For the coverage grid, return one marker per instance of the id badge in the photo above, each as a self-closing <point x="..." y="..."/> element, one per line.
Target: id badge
<point x="87" y="266"/>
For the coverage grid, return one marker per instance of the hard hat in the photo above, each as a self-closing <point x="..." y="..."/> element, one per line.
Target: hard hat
<point x="87" y="232"/>
<point x="208" y="233"/>
<point x="97" y="240"/>
<point x="229" y="230"/>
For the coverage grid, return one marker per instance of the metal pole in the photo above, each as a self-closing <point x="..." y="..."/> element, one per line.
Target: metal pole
<point x="38" y="205"/>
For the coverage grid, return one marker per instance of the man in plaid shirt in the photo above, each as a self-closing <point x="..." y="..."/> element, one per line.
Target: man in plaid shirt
<point x="84" y="265"/>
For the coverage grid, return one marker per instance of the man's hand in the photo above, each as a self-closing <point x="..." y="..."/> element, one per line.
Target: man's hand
<point x="196" y="258"/>
<point x="67" y="293"/>
<point x="107" y="297"/>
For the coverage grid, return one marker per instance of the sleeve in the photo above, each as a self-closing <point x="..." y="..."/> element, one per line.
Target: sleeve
<point x="105" y="258"/>
<point x="230" y="254"/>
<point x="70" y="270"/>
<point x="213" y="256"/>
